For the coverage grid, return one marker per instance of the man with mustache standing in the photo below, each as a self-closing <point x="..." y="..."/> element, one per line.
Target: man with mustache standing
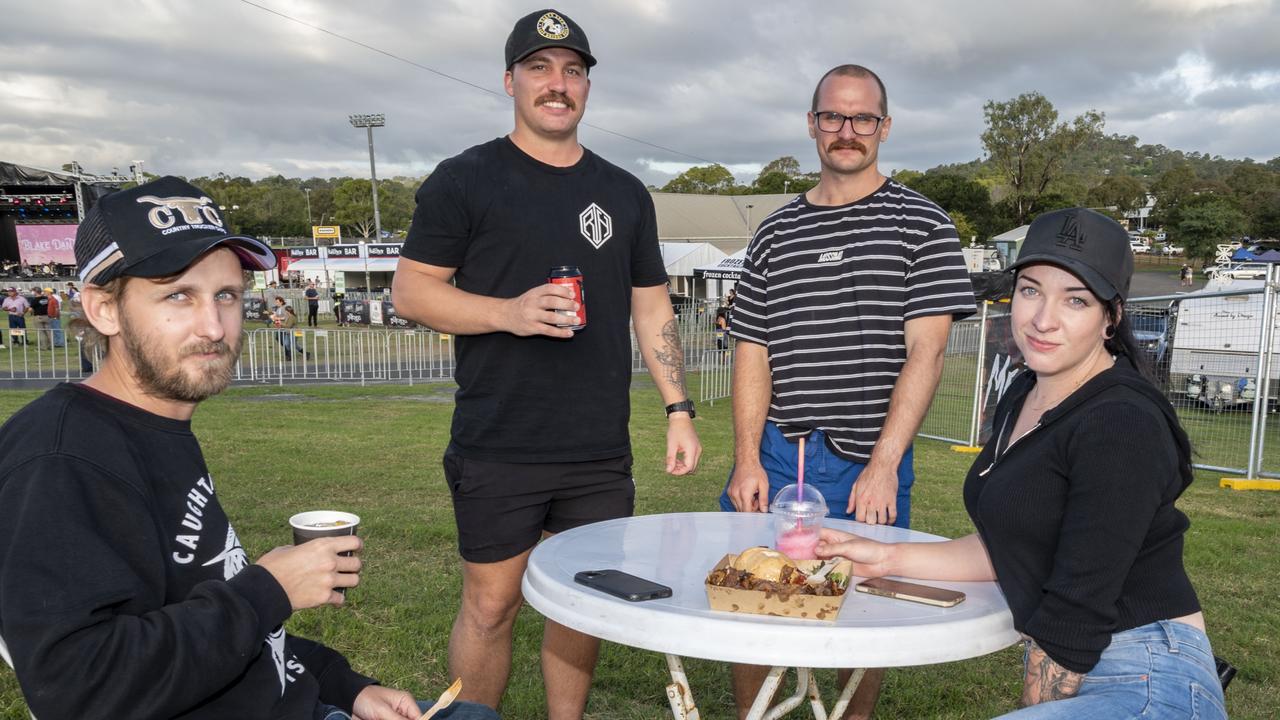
<point x="842" y="316"/>
<point x="124" y="590"/>
<point x="539" y="442"/>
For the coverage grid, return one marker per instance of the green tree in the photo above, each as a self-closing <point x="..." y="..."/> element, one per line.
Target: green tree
<point x="702" y="180"/>
<point x="965" y="229"/>
<point x="353" y="206"/>
<point x="1174" y="187"/>
<point x="1124" y="193"/>
<point x="787" y="165"/>
<point x="1205" y="221"/>
<point x="779" y="182"/>
<point x="1029" y="146"/>
<point x="956" y="194"/>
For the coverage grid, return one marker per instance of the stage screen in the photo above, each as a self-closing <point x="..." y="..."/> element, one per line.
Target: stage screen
<point x="39" y="244"/>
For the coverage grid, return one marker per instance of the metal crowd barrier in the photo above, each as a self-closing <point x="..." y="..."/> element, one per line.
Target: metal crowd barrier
<point x="1213" y="356"/>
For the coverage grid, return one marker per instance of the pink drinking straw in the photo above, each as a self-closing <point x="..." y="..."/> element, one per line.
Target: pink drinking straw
<point x="800" y="481"/>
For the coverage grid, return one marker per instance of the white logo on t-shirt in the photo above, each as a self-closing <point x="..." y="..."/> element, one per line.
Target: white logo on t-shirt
<point x="232" y="557"/>
<point x="595" y="225"/>
<point x="830" y="256"/>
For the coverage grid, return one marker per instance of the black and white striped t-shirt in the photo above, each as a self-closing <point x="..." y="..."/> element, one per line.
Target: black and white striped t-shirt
<point x="827" y="291"/>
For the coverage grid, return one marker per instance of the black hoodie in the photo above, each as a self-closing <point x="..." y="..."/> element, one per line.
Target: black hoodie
<point x="1078" y="514"/>
<point x="124" y="591"/>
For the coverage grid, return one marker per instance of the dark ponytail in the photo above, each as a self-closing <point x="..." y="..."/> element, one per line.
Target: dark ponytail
<point x="1122" y="341"/>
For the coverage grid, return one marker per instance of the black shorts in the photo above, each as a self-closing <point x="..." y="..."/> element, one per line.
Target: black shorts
<point x="502" y="509"/>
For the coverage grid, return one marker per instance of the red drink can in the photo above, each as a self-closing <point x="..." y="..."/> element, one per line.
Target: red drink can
<point x="571" y="276"/>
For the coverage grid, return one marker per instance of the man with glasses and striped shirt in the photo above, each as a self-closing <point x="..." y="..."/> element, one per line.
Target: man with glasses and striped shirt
<point x="842" y="316"/>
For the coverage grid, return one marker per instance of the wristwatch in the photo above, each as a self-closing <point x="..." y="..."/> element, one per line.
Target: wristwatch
<point x="682" y="406"/>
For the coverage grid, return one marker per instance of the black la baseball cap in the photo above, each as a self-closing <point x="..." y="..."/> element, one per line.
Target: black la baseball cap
<point x="1084" y="242"/>
<point x="546" y="29"/>
<point x="157" y="229"/>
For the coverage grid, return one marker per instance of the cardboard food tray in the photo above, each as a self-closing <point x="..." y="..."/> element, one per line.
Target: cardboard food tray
<point x="757" y="602"/>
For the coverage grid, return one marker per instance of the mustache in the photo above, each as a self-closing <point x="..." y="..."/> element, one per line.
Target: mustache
<point x="555" y="97"/>
<point x="219" y="347"/>
<point x="847" y="145"/>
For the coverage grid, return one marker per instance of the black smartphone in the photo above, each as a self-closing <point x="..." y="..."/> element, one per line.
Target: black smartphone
<point x="623" y="585"/>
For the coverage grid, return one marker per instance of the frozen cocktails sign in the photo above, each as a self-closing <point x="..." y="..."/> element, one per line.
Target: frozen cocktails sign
<point x="39" y="244"/>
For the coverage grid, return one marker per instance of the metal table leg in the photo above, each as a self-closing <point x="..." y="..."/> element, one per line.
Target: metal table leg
<point x="678" y="692"/>
<point x="683" y="708"/>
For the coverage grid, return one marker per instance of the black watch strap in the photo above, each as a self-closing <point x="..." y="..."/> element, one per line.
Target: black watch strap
<point x="682" y="406"/>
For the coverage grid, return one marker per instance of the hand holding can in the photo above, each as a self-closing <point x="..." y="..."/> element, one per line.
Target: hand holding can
<point x="570" y="276"/>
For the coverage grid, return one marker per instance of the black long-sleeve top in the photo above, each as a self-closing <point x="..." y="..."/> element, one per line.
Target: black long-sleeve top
<point x="1078" y="514"/>
<point x="124" y="591"/>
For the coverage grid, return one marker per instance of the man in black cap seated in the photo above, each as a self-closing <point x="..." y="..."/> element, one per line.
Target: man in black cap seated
<point x="540" y="441"/>
<point x="124" y="591"/>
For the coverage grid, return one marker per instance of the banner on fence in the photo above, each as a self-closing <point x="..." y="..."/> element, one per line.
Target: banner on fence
<point x="357" y="312"/>
<point x="1003" y="364"/>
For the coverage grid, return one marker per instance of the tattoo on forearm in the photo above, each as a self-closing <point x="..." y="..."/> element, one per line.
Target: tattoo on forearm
<point x="1046" y="680"/>
<point x="670" y="355"/>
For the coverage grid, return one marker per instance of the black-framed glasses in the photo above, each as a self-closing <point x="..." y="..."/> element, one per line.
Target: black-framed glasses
<point x="829" y="121"/>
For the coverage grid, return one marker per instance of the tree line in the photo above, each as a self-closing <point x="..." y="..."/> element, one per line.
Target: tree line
<point x="277" y="206"/>
<point x="1033" y="162"/>
<point x="1036" y="162"/>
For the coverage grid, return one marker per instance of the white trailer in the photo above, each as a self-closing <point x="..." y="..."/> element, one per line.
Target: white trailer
<point x="1214" y="357"/>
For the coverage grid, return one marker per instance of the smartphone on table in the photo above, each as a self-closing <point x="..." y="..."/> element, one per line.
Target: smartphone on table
<point x="902" y="590"/>
<point x="623" y="585"/>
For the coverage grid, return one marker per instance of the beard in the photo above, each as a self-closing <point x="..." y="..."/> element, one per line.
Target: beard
<point x="163" y="376"/>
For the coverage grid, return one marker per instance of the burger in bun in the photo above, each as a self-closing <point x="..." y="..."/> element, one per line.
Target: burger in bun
<point x="763" y="563"/>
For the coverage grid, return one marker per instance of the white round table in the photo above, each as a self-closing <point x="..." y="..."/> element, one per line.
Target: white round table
<point x="679" y="549"/>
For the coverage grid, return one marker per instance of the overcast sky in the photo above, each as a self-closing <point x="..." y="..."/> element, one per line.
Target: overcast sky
<point x="194" y="88"/>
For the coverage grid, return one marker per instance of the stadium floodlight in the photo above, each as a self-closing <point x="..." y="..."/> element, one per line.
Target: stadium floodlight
<point x="369" y="122"/>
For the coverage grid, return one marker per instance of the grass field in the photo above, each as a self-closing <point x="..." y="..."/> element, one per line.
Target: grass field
<point x="376" y="451"/>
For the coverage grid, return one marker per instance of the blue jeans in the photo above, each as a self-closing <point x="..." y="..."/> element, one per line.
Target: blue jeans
<point x="829" y="473"/>
<point x="1162" y="670"/>
<point x="456" y="711"/>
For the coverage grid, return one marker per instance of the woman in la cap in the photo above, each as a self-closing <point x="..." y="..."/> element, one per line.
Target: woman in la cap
<point x="1073" y="499"/>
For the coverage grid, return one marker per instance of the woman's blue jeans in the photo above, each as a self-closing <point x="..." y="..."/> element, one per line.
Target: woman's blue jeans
<point x="1162" y="670"/>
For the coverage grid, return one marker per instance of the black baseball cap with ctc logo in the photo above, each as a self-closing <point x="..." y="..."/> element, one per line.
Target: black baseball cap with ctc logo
<point x="546" y="29"/>
<point x="157" y="229"/>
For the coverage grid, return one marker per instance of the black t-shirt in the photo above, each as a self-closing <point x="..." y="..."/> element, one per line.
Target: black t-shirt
<point x="504" y="219"/>
<point x="124" y="591"/>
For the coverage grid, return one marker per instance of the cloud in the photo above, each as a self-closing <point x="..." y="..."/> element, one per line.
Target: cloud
<point x="198" y="88"/>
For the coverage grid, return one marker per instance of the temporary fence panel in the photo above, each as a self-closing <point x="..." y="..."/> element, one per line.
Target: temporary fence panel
<point x="950" y="416"/>
<point x="1211" y="354"/>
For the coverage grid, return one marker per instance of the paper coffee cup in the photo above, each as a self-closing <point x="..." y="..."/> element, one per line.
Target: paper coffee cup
<point x="322" y="523"/>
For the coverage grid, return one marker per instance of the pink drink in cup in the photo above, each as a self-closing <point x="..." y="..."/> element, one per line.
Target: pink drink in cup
<point x="797" y="520"/>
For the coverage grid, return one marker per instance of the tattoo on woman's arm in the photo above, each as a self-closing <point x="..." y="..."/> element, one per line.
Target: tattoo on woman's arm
<point x="670" y="355"/>
<point x="1046" y="680"/>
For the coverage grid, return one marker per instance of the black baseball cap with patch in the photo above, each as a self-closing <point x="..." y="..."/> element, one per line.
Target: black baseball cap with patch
<point x="157" y="229"/>
<point x="1084" y="242"/>
<point x="546" y="29"/>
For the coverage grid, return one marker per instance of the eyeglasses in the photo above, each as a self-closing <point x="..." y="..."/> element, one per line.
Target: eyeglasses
<point x="862" y="124"/>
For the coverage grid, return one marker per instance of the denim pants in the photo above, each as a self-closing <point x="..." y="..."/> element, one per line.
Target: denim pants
<point x="1162" y="670"/>
<point x="828" y="473"/>
<point x="456" y="711"/>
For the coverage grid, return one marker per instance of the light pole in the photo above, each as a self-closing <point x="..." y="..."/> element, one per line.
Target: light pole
<point x="785" y="185"/>
<point x="307" y="190"/>
<point x="369" y="122"/>
<point x="749" y="206"/>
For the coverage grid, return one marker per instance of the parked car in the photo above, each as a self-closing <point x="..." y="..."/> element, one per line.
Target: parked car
<point x="1161" y="236"/>
<point x="1138" y="248"/>
<point x="1244" y="271"/>
<point x="1151" y="330"/>
<point x="1171" y="250"/>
